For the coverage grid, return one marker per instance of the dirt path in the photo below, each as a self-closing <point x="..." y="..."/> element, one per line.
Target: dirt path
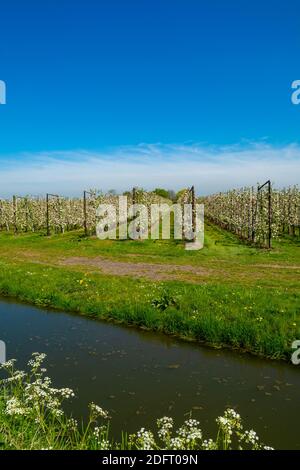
<point x="149" y="270"/>
<point x="277" y="266"/>
<point x="161" y="272"/>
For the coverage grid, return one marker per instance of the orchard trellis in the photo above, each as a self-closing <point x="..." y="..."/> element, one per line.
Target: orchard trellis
<point x="261" y="213"/>
<point x="256" y="215"/>
<point x="59" y="214"/>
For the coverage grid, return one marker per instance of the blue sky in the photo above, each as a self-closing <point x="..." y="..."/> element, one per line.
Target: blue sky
<point x="145" y="87"/>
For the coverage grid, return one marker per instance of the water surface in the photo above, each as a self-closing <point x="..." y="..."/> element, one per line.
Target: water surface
<point x="139" y="376"/>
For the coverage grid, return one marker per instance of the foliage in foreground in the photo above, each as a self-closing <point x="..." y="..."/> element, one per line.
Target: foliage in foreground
<point x="32" y="417"/>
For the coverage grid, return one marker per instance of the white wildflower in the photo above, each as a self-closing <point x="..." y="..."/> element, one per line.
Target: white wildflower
<point x="14" y="407"/>
<point x="97" y="411"/>
<point x="209" y="444"/>
<point x="190" y="431"/>
<point x="165" y="426"/>
<point x="67" y="393"/>
<point x="146" y="439"/>
<point x="72" y="424"/>
<point x="176" y="444"/>
<point x="250" y="437"/>
<point x="104" y="445"/>
<point x="8" y="364"/>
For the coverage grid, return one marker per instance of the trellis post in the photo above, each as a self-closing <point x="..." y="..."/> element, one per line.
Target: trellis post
<point x="268" y="183"/>
<point x="270" y="213"/>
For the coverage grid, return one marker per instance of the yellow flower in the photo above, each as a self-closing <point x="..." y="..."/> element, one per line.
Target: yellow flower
<point x="81" y="281"/>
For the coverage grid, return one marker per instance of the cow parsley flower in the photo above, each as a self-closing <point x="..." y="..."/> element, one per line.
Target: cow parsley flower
<point x="14" y="407"/>
<point x="98" y="412"/>
<point x="145" y="439"/>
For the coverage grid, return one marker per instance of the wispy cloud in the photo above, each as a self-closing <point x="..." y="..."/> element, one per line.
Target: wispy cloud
<point x="209" y="168"/>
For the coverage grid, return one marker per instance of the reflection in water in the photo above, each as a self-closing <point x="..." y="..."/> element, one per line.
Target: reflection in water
<point x="140" y="376"/>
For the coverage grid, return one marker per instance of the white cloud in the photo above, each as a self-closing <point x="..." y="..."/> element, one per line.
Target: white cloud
<point x="209" y="168"/>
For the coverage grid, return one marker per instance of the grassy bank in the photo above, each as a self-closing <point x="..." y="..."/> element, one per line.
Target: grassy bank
<point x="226" y="294"/>
<point x="32" y="417"/>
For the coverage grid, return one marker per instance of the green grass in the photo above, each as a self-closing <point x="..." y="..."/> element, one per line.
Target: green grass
<point x="245" y="302"/>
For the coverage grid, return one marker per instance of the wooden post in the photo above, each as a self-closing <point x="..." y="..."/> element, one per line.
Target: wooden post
<point x="270" y="213"/>
<point x="267" y="183"/>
